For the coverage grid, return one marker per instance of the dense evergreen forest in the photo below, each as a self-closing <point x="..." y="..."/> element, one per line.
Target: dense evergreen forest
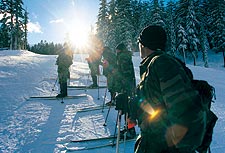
<point x="13" y="24"/>
<point x="194" y="26"/>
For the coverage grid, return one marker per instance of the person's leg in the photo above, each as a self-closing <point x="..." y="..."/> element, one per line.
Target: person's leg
<point x="64" y="89"/>
<point x="94" y="79"/>
<point x="93" y="75"/>
<point x="63" y="84"/>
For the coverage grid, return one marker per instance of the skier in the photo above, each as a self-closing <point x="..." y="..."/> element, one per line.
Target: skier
<point x="64" y="61"/>
<point x="165" y="102"/>
<point x="109" y="70"/>
<point x="94" y="60"/>
<point x="125" y="82"/>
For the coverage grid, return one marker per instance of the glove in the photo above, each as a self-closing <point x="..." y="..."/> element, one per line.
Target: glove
<point x="121" y="102"/>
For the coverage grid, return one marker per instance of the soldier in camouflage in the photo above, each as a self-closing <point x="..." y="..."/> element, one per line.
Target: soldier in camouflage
<point x="110" y="71"/>
<point x="125" y="83"/>
<point x="126" y="77"/>
<point x="64" y="61"/>
<point x="165" y="103"/>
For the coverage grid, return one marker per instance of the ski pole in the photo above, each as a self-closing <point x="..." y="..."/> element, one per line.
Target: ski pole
<point x="103" y="105"/>
<point x="118" y="134"/>
<point x="98" y="86"/>
<point x="86" y="82"/>
<point x="126" y="129"/>
<point x="55" y="83"/>
<point x="107" y="114"/>
<point x="114" y="135"/>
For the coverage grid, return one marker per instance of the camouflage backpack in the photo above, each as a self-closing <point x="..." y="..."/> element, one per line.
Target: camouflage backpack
<point x="206" y="92"/>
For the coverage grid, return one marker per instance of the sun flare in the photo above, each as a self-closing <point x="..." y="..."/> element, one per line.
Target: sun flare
<point x="78" y="36"/>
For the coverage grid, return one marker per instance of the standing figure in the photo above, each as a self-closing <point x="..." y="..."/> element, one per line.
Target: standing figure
<point x="126" y="77"/>
<point x="125" y="83"/>
<point x="166" y="103"/>
<point x="110" y="70"/>
<point x="94" y="60"/>
<point x="64" y="61"/>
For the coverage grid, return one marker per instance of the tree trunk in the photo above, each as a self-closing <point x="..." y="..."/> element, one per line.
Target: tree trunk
<point x="184" y="56"/>
<point x="223" y="58"/>
<point x="194" y="57"/>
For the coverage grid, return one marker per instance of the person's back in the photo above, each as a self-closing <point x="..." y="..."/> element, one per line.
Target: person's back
<point x="125" y="84"/>
<point x="126" y="75"/>
<point x="110" y="71"/>
<point x="166" y="107"/>
<point x="64" y="61"/>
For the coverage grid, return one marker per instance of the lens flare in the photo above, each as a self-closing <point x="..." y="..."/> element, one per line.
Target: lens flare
<point x="154" y="114"/>
<point x="146" y="107"/>
<point x="79" y="36"/>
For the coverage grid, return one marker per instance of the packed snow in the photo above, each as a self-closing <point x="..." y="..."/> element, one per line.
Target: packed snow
<point x="38" y="125"/>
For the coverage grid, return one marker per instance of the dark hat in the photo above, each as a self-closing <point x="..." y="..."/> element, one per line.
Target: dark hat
<point x="153" y="37"/>
<point x="121" y="46"/>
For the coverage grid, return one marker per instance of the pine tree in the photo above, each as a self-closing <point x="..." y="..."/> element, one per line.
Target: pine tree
<point x="13" y="14"/>
<point x="171" y="28"/>
<point x="193" y="41"/>
<point x="4" y="34"/>
<point x="7" y="20"/>
<point x="145" y="14"/>
<point x="201" y="15"/>
<point x="19" y="15"/>
<point x="217" y="23"/>
<point x="181" y="12"/>
<point x="135" y="21"/>
<point x="4" y="26"/>
<point x="112" y="33"/>
<point x="182" y="41"/>
<point x="123" y="19"/>
<point x="157" y="14"/>
<point x="103" y="19"/>
<point x="24" y="38"/>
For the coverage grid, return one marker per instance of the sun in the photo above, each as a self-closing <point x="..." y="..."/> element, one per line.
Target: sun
<point x="78" y="36"/>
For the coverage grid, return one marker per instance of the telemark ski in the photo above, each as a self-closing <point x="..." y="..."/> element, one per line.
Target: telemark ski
<point x="71" y="149"/>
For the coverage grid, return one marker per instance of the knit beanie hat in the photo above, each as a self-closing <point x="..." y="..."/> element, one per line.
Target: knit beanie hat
<point x="153" y="37"/>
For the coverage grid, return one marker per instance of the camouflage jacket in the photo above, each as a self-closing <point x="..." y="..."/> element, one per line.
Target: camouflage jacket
<point x="166" y="101"/>
<point x="126" y="76"/>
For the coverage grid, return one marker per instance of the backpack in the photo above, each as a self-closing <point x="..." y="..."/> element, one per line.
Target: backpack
<point x="206" y="93"/>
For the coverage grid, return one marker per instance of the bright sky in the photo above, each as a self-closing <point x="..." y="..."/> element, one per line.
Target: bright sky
<point x="54" y="20"/>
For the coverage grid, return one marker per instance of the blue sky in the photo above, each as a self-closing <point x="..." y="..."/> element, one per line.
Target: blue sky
<point x="53" y="20"/>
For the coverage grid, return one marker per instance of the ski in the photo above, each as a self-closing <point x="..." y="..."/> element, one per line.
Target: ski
<point x="94" y="139"/>
<point x="94" y="108"/>
<point x="54" y="97"/>
<point x="85" y="87"/>
<point x="71" y="149"/>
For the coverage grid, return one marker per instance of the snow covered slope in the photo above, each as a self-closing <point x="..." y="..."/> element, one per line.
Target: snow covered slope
<point x="39" y="125"/>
